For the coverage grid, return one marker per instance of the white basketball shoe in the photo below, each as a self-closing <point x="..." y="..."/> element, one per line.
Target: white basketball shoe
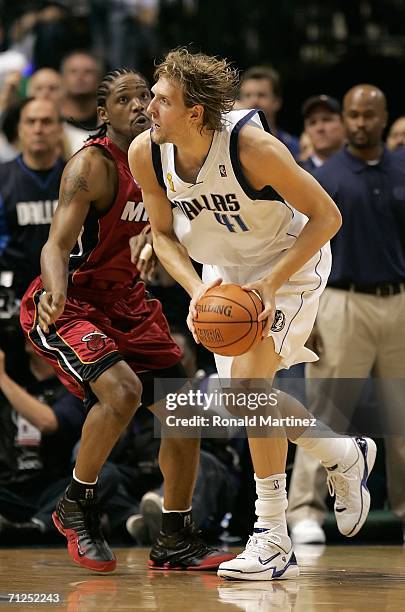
<point x="267" y="556"/>
<point x="348" y="482"/>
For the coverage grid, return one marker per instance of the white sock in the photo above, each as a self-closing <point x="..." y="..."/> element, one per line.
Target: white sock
<point x="271" y="503"/>
<point x="330" y="451"/>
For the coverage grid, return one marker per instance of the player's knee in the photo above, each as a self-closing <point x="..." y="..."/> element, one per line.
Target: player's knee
<point x="127" y="398"/>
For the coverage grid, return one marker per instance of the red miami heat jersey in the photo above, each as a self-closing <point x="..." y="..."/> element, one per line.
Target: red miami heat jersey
<point x="101" y="258"/>
<point x="107" y="316"/>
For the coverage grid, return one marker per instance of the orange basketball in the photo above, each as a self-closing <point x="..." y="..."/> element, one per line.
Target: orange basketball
<point x="226" y="321"/>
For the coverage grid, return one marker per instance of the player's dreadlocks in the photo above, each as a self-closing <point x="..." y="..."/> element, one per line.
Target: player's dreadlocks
<point x="103" y="92"/>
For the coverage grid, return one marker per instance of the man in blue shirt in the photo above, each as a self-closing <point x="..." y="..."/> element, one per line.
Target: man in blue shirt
<point x="29" y="191"/>
<point x="324" y="126"/>
<point x="261" y="88"/>
<point x="360" y="326"/>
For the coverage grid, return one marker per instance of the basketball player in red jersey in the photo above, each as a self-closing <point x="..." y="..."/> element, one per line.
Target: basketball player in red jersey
<point x="89" y="316"/>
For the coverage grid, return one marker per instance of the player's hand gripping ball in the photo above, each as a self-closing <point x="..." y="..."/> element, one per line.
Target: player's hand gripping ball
<point x="226" y="321"/>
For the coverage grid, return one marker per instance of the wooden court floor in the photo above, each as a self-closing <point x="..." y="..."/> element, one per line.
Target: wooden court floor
<point x="346" y="578"/>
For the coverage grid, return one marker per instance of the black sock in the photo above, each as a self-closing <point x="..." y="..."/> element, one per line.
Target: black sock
<point x="81" y="490"/>
<point x="174" y="521"/>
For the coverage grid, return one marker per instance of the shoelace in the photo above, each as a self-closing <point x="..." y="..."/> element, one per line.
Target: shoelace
<point x="258" y="543"/>
<point x="338" y="485"/>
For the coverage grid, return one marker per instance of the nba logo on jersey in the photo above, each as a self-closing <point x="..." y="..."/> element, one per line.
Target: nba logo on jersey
<point x="222" y="170"/>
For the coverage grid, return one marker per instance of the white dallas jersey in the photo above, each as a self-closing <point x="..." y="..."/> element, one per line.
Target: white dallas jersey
<point x="220" y="219"/>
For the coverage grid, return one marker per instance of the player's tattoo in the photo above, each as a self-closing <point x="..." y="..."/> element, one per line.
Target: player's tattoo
<point x="72" y="184"/>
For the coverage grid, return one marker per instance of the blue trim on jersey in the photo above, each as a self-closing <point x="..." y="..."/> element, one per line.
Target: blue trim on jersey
<point x="267" y="193"/>
<point x="157" y="164"/>
<point x="42" y="183"/>
<point x="264" y="122"/>
<point x="4" y="230"/>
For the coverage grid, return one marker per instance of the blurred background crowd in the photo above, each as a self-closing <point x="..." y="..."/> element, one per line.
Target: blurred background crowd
<point x="297" y="60"/>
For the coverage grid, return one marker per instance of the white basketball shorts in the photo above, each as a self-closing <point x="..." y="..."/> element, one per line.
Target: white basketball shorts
<point x="296" y="306"/>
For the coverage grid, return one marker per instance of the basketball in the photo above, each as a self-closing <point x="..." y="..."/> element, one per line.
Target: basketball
<point x="226" y="321"/>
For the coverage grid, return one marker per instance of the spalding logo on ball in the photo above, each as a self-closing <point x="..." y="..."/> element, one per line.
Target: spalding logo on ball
<point x="226" y="321"/>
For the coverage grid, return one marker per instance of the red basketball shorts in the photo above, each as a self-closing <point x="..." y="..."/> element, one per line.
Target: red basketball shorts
<point x="94" y="333"/>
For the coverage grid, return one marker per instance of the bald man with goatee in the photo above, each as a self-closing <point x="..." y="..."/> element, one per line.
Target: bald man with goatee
<point x="360" y="328"/>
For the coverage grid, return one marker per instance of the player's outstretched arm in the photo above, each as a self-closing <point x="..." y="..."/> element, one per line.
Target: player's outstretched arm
<point x="82" y="183"/>
<point x="266" y="161"/>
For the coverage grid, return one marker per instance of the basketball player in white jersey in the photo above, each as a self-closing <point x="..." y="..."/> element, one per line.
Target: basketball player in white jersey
<point x="220" y="189"/>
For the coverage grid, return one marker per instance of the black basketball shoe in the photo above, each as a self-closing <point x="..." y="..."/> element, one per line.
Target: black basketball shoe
<point x="79" y="522"/>
<point x="185" y="550"/>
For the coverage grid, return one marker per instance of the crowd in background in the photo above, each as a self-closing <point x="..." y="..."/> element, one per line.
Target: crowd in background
<point x="50" y="67"/>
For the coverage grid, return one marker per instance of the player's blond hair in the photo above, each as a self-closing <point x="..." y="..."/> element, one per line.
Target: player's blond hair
<point x="205" y="80"/>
